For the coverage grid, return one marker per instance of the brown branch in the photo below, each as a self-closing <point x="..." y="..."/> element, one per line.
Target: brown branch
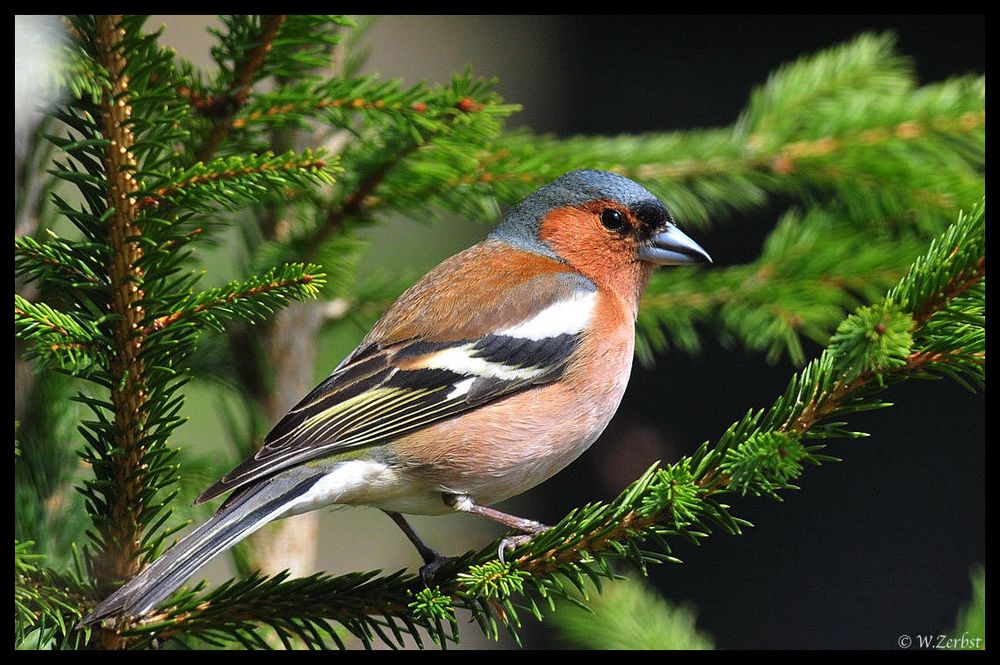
<point x="713" y="481"/>
<point x="161" y="194"/>
<point x="121" y="533"/>
<point x="354" y="104"/>
<point x="354" y="203"/>
<point x="173" y="243"/>
<point x="52" y="325"/>
<point x="388" y="604"/>
<point x="823" y="404"/>
<point x="786" y="159"/>
<point x="819" y="407"/>
<point x="954" y="287"/>
<point x="210" y="106"/>
<point x="239" y="90"/>
<point x="163" y="321"/>
<point x="49" y="261"/>
<point x="357" y="201"/>
<point x="56" y="328"/>
<point x="922" y="194"/>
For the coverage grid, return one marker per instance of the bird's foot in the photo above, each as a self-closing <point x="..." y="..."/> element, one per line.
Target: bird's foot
<point x="511" y="543"/>
<point x="433" y="565"/>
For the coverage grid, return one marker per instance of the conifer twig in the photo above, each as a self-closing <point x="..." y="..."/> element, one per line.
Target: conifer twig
<point x="357" y="201"/>
<point x="239" y="90"/>
<point x="269" y="287"/>
<point x="235" y="171"/>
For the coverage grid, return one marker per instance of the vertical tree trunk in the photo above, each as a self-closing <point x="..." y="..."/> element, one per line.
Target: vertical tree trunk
<point x="291" y="353"/>
<point x="121" y="532"/>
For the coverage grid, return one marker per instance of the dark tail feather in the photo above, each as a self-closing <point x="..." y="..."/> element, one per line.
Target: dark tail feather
<point x="240" y="516"/>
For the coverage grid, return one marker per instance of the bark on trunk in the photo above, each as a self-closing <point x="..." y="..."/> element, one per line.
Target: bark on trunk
<point x="291" y="353"/>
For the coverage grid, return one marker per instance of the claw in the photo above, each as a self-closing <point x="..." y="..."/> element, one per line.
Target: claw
<point x="431" y="568"/>
<point x="513" y="542"/>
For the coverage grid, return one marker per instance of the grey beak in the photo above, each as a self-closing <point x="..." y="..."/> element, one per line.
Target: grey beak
<point x="670" y="247"/>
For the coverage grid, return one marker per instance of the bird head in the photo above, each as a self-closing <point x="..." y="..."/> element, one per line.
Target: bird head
<point x="607" y="227"/>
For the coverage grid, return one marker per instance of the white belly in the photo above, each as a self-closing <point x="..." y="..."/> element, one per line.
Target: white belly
<point x="370" y="483"/>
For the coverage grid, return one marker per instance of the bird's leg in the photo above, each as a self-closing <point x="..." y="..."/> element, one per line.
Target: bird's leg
<point x="529" y="528"/>
<point x="433" y="560"/>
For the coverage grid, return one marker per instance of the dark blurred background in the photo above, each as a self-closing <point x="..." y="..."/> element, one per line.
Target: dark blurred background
<point x="872" y="548"/>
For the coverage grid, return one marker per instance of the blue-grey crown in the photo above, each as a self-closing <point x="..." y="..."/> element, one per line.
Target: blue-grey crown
<point x="519" y="227"/>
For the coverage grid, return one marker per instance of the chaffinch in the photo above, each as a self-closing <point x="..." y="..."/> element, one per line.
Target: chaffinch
<point x="487" y="377"/>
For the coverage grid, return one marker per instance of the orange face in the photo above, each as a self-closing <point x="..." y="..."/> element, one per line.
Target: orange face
<point x="600" y="240"/>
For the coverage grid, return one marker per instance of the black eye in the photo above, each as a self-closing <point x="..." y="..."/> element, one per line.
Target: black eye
<point x="613" y="220"/>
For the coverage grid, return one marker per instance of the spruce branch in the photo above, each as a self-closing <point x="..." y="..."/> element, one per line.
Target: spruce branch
<point x="694" y="170"/>
<point x="46" y="605"/>
<point x="54" y="260"/>
<point x="57" y="338"/>
<point x="244" y="74"/>
<point x="234" y="182"/>
<point x="468" y="115"/>
<point x="250" y="300"/>
<point x="342" y="102"/>
<point x="134" y="315"/>
<point x="869" y="60"/>
<point x="813" y="148"/>
<point x="247" y="52"/>
<point x="809" y="274"/>
<point x="294" y="608"/>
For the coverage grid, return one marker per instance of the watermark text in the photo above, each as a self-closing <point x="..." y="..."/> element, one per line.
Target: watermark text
<point x="963" y="641"/>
